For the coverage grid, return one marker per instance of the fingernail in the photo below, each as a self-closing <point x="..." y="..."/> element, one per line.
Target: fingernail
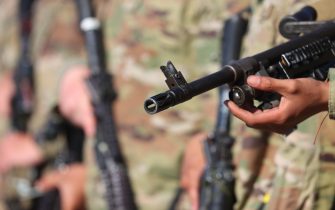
<point x="226" y="102"/>
<point x="253" y="80"/>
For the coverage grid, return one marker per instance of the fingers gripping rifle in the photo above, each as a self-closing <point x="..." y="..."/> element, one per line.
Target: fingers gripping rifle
<point x="112" y="165"/>
<point x="218" y="182"/>
<point x="307" y="56"/>
<point x="55" y="126"/>
<point x="23" y="99"/>
<point x="71" y="153"/>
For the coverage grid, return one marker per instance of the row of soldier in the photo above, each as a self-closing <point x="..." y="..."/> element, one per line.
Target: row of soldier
<point x="271" y="173"/>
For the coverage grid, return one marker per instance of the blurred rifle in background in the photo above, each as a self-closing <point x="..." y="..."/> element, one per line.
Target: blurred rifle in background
<point x="217" y="185"/>
<point x="111" y="162"/>
<point x="22" y="109"/>
<point x="22" y="103"/>
<point x="23" y="99"/>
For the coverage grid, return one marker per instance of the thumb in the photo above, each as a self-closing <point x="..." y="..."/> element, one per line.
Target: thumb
<point x="194" y="197"/>
<point x="47" y="182"/>
<point x="281" y="86"/>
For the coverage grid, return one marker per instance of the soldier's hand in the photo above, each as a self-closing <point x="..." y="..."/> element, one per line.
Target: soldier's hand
<point x="301" y="98"/>
<point x="70" y="183"/>
<point x="7" y="90"/>
<point x="192" y="168"/>
<point x="74" y="99"/>
<point x="18" y="150"/>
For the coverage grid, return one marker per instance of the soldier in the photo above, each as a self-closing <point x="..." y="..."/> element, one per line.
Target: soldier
<point x="302" y="169"/>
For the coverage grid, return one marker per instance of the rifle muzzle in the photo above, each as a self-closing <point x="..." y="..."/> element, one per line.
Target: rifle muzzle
<point x="159" y="102"/>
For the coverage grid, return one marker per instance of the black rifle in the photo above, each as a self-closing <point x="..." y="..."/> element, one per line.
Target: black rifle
<point x="310" y="55"/>
<point x="23" y="99"/>
<point x="218" y="182"/>
<point x="112" y="165"/>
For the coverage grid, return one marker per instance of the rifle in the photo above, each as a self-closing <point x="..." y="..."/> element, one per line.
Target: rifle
<point x="218" y="182"/>
<point x="110" y="160"/>
<point x="23" y="99"/>
<point x="22" y="108"/>
<point x="309" y="55"/>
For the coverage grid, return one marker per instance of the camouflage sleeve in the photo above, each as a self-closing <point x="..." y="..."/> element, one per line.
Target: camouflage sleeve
<point x="52" y="148"/>
<point x="331" y="104"/>
<point x="9" y="38"/>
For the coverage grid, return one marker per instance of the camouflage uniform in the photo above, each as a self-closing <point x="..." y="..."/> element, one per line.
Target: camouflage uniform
<point x="296" y="174"/>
